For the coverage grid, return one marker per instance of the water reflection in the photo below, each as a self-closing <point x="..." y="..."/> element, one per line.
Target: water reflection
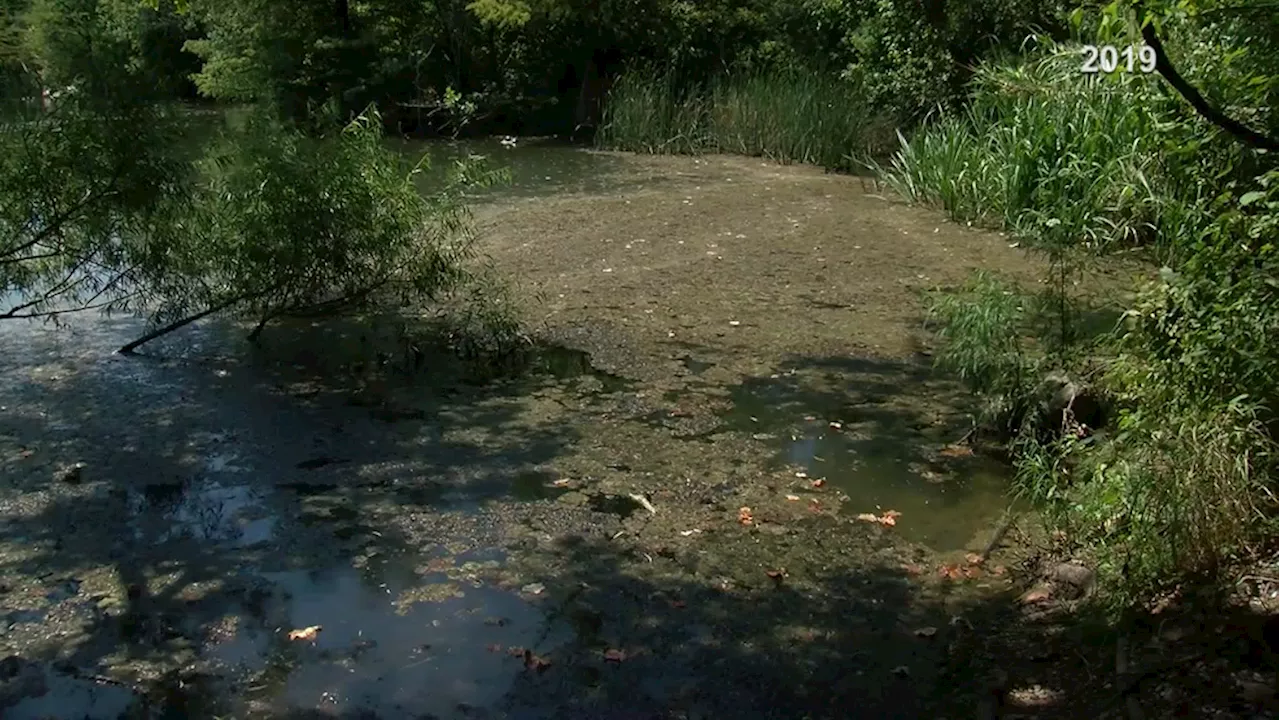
<point x="877" y="458"/>
<point x="390" y="641"/>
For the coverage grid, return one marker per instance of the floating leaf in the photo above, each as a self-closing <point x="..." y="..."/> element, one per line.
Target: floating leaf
<point x="615" y="655"/>
<point x="536" y="662"/>
<point x="306" y="633"/>
<point x="818" y="483"/>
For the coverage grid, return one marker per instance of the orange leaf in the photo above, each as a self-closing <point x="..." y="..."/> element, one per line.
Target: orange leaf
<point x="776" y="574"/>
<point x="562" y="482"/>
<point x="869" y="517"/>
<point x="306" y="633"/>
<point x="956" y="451"/>
<point x="974" y="559"/>
<point x="793" y="497"/>
<point x="744" y="515"/>
<point x="818" y="483"/>
<point x="949" y="572"/>
<point x="912" y="569"/>
<point x="612" y="655"/>
<point x="997" y="570"/>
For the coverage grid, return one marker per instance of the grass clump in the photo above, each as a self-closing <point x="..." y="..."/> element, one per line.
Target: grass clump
<point x="786" y="116"/>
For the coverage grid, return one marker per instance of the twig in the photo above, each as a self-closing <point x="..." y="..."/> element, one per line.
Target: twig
<point x="1009" y="517"/>
<point x="644" y="502"/>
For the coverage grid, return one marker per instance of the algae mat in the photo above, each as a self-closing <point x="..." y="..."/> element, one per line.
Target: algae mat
<point x="668" y="517"/>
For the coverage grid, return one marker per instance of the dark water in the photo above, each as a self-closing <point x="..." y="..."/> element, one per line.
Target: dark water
<point x="213" y="469"/>
<point x="537" y="167"/>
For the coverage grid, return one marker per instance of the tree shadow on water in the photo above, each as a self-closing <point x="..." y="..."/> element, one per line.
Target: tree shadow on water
<point x="191" y="542"/>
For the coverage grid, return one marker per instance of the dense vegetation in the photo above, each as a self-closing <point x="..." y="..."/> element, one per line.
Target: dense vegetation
<point x="116" y="190"/>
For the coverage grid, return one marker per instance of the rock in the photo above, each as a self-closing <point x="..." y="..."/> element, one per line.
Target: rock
<point x="1074" y="578"/>
<point x="72" y="474"/>
<point x="20" y="679"/>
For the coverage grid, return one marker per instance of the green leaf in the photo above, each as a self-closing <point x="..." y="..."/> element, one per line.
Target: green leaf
<point x="1251" y="197"/>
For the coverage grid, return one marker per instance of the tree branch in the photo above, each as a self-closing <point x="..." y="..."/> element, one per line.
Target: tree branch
<point x="179" y="324"/>
<point x="1238" y="130"/>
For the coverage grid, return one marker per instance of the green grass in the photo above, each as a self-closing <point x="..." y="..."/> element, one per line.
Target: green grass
<point x="788" y="117"/>
<point x="1048" y="153"/>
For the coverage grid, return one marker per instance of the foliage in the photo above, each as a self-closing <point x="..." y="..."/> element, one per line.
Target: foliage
<point x="81" y="184"/>
<point x="281" y="223"/>
<point x="1181" y="481"/>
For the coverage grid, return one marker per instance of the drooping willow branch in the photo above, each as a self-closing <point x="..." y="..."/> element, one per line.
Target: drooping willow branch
<point x="1165" y="67"/>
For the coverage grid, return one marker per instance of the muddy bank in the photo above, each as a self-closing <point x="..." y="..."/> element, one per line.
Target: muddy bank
<point x="727" y="485"/>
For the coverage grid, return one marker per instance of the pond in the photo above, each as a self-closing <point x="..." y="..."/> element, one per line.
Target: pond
<point x="626" y="521"/>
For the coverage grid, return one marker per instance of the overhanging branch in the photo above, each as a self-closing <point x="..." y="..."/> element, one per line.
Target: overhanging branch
<point x="1237" y="129"/>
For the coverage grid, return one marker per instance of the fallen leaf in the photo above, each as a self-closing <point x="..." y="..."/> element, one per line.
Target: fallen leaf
<point x="888" y="518"/>
<point x="536" y="662"/>
<point x="818" y="483"/>
<point x="793" y="497"/>
<point x="956" y="451"/>
<point x="815" y="505"/>
<point x="306" y="633"/>
<point x="835" y="425"/>
<point x="971" y="571"/>
<point x="533" y="588"/>
<point x="612" y="655"/>
<point x="778" y="574"/>
<point x="687" y="533"/>
<point x="997" y="570"/>
<point x="744" y="515"/>
<point x="926" y="632"/>
<point x="902" y="670"/>
<point x="1037" y="595"/>
<point x="802" y="474"/>
<point x="493" y="648"/>
<point x="974" y="559"/>
<point x="734" y="323"/>
<point x="912" y="569"/>
<point x="562" y="482"/>
<point x="949" y="572"/>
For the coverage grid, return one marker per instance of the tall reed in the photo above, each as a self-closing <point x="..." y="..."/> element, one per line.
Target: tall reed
<point x="786" y="116"/>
